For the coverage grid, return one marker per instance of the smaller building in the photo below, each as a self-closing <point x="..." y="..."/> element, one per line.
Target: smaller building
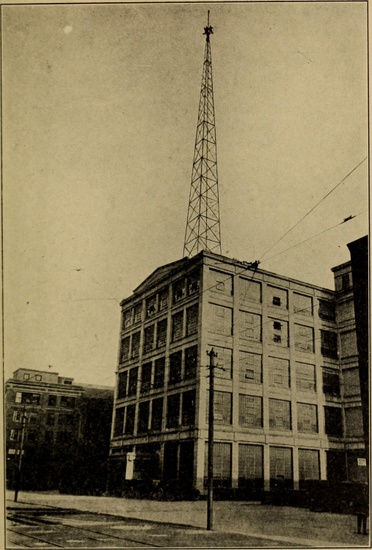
<point x="53" y="424"/>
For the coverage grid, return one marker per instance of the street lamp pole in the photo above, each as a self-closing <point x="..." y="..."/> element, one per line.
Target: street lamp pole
<point x="212" y="356"/>
<point x="20" y="450"/>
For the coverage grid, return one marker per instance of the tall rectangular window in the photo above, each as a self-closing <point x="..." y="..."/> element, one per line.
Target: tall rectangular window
<point x="192" y="317"/>
<point x="305" y="377"/>
<point x="191" y="355"/>
<point x="122" y="384"/>
<point x="307" y="418"/>
<point x="220" y="320"/>
<point x="278" y="332"/>
<point x="159" y="372"/>
<point x="327" y="310"/>
<point x="124" y="349"/>
<point x="135" y="344"/>
<point x="179" y="290"/>
<point x="250" y="367"/>
<point x="221" y="283"/>
<point x="148" y="343"/>
<point x="279" y="372"/>
<point x="328" y="343"/>
<point x="177" y="326"/>
<point x="250" y="411"/>
<point x="151" y="306"/>
<point x="188" y="408"/>
<point x="137" y="313"/>
<point x="127" y="318"/>
<point x="66" y="401"/>
<point x="221" y="464"/>
<point x="302" y="305"/>
<point x="119" y="422"/>
<point x="175" y="367"/>
<point x="146" y="377"/>
<point x="193" y="281"/>
<point x="250" y="462"/>
<point x="281" y="467"/>
<point x="223" y="362"/>
<point x="250" y="326"/>
<point x="333" y="421"/>
<point x="222" y="407"/>
<point x="157" y="414"/>
<point x="304" y="338"/>
<point x="331" y="382"/>
<point x="143" y="417"/>
<point x="249" y="291"/>
<point x="52" y="400"/>
<point x="308" y="464"/>
<point x="132" y="386"/>
<point x="280" y="414"/>
<point x="173" y="411"/>
<point x="161" y="336"/>
<point x="130" y="419"/>
<point x="163" y="299"/>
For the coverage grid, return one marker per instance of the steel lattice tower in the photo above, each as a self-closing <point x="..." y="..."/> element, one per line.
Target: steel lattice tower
<point x="203" y="217"/>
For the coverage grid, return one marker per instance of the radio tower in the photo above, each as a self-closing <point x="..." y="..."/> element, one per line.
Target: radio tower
<point x="203" y="216"/>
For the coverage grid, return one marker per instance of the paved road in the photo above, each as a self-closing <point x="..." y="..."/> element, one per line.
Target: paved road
<point x="31" y="526"/>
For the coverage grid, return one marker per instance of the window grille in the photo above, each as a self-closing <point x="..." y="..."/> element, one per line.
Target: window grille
<point x="279" y="372"/>
<point x="157" y="414"/>
<point x="159" y="372"/>
<point x="307" y="418"/>
<point x="146" y="377"/>
<point x="161" y="337"/>
<point x="250" y="461"/>
<point x="191" y="355"/>
<point x="302" y="305"/>
<point x="250" y="367"/>
<point x="192" y="314"/>
<point x="148" y="343"/>
<point x="305" y="377"/>
<point x="250" y="326"/>
<point x="135" y="344"/>
<point x="177" y="326"/>
<point x="250" y="411"/>
<point x="280" y="414"/>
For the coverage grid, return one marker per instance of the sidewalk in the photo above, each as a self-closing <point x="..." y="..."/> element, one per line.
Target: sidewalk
<point x="285" y="524"/>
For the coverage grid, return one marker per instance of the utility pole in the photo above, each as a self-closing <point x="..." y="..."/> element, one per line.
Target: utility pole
<point x="212" y="366"/>
<point x="20" y="450"/>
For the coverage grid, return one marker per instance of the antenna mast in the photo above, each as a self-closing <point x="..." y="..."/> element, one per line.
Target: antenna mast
<point x="203" y="217"/>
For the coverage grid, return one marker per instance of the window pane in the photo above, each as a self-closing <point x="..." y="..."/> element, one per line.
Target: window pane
<point x="327" y="310"/>
<point x="148" y="343"/>
<point x="173" y="411"/>
<point x="250" y="326"/>
<point x="143" y="417"/>
<point x="135" y="344"/>
<point x="303" y="305"/>
<point x="177" y="326"/>
<point x="348" y="343"/>
<point x="331" y="382"/>
<point x="192" y="320"/>
<point x="132" y="386"/>
<point x="151" y="306"/>
<point x="351" y="382"/>
<point x="179" y="290"/>
<point x="250" y="367"/>
<point x="193" y="283"/>
<point x="250" y="411"/>
<point x="305" y="377"/>
<point x="304" y="338"/>
<point x="281" y="463"/>
<point x="308" y="462"/>
<point x="354" y="422"/>
<point x="250" y="461"/>
<point x="161" y="338"/>
<point x="190" y="362"/>
<point x="277" y="297"/>
<point x="129" y="420"/>
<point x="279" y="372"/>
<point x="222" y="407"/>
<point x="333" y="421"/>
<point x="122" y="384"/>
<point x="278" y="332"/>
<point x="157" y="414"/>
<point x="307" y="418"/>
<point x="159" y="372"/>
<point x="188" y="408"/>
<point x="146" y="377"/>
<point x="220" y="320"/>
<point x="223" y="362"/>
<point x="249" y="291"/>
<point x="119" y="421"/>
<point x="280" y="414"/>
<point x="221" y="283"/>
<point x="328" y="344"/>
<point x="175" y="367"/>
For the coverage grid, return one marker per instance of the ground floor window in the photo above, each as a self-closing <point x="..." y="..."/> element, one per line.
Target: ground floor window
<point x="308" y="464"/>
<point x="250" y="464"/>
<point x="281" y="467"/>
<point x="221" y="464"/>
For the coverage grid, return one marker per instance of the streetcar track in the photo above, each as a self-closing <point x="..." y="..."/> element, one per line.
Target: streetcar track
<point x="35" y="538"/>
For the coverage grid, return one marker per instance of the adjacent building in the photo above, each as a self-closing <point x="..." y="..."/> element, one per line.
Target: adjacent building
<point x="50" y="421"/>
<point x="287" y="405"/>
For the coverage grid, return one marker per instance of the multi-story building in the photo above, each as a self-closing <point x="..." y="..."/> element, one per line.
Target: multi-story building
<point x="279" y="390"/>
<point x="47" y="425"/>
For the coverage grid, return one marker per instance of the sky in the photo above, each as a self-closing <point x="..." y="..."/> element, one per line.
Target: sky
<point x="99" y="118"/>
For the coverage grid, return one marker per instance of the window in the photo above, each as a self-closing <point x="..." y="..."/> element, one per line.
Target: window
<point x="161" y="337"/>
<point x="354" y="422"/>
<point x="30" y="398"/>
<point x="119" y="422"/>
<point x="127" y="318"/>
<point x="220" y="320"/>
<point x="67" y="401"/>
<point x="157" y="414"/>
<point x="135" y="344"/>
<point x="132" y="386"/>
<point x="151" y="306"/>
<point x="193" y="283"/>
<point x="223" y="362"/>
<point x="328" y="344"/>
<point x="221" y="464"/>
<point x="191" y="355"/>
<point x="279" y="372"/>
<point x="304" y="338"/>
<point x="280" y="464"/>
<point x="129" y="420"/>
<point x="137" y="313"/>
<point x="250" y="291"/>
<point x="250" y="462"/>
<point x="278" y="332"/>
<point x="308" y="464"/>
<point x="38" y="377"/>
<point x="331" y="382"/>
<point x="277" y="297"/>
<point x="192" y="314"/>
<point x="351" y="382"/>
<point x="148" y="343"/>
<point x="250" y="411"/>
<point x="175" y="367"/>
<point x="221" y="283"/>
<point x="13" y="435"/>
<point x="163" y="299"/>
<point x="143" y="417"/>
<point x="327" y="310"/>
<point x="26" y="376"/>
<point x="307" y="418"/>
<point x="173" y="411"/>
<point x="250" y="326"/>
<point x="17" y="416"/>
<point x="222" y="407"/>
<point x="18" y="397"/>
<point x="250" y="367"/>
<point x="188" y="408"/>
<point x="177" y="326"/>
<point x="122" y="384"/>
<point x="66" y="419"/>
<point x="159" y="372"/>
<point x="52" y="400"/>
<point x="179" y="290"/>
<point x="124" y="349"/>
<point x="303" y="305"/>
<point x="146" y="377"/>
<point x="280" y="414"/>
<point x="348" y="343"/>
<point x="305" y="377"/>
<point x="333" y="421"/>
<point x="50" y="419"/>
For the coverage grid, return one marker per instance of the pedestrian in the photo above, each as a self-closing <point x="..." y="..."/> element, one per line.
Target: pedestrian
<point x="362" y="510"/>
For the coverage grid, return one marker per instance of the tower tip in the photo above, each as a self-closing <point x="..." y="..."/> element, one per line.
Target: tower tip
<point x="208" y="30"/>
